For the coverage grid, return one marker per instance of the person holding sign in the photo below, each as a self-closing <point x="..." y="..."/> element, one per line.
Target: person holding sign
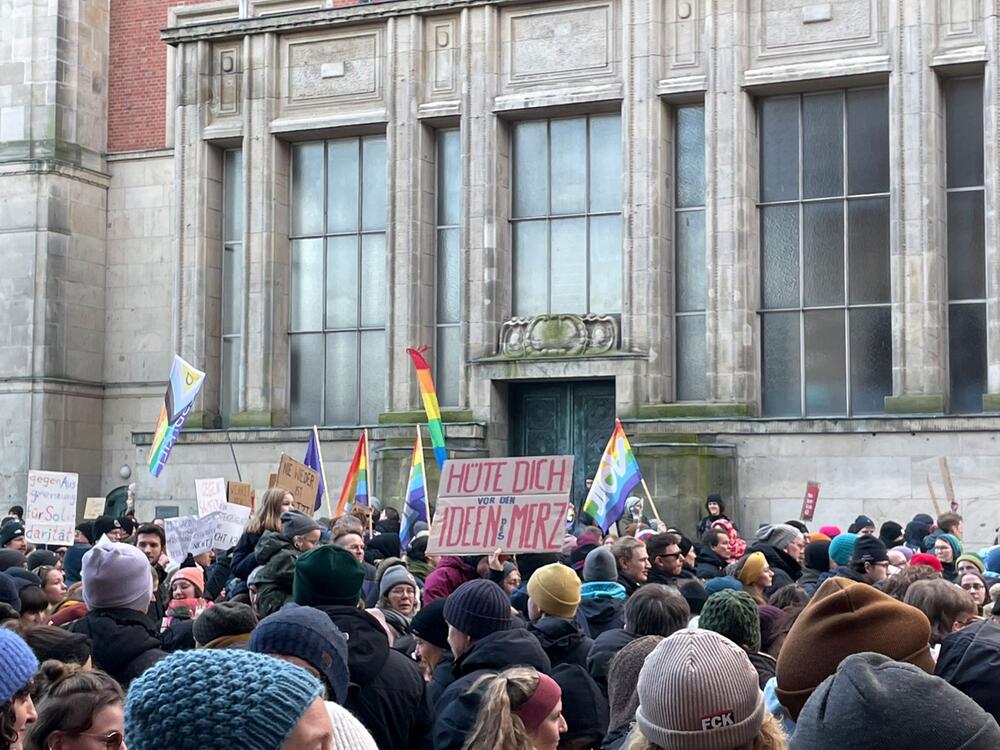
<point x="276" y="501"/>
<point x="278" y="554"/>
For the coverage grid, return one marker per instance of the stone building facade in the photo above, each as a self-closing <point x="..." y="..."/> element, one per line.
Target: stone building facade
<point x="762" y="233"/>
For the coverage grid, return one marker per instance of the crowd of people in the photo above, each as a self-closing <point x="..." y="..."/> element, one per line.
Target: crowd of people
<point x="327" y="633"/>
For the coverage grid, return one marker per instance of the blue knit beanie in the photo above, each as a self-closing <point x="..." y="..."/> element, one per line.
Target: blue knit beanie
<point x="19" y="664"/>
<point x="311" y="636"/>
<point x="722" y="583"/>
<point x="842" y="547"/>
<point x="217" y="700"/>
<point x="478" y="608"/>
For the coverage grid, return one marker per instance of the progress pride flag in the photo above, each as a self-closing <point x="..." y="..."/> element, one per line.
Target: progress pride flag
<point x="514" y="504"/>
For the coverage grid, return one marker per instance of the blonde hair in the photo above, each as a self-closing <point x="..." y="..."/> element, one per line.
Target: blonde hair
<point x="497" y="726"/>
<point x="769" y="737"/>
<point x="268" y="515"/>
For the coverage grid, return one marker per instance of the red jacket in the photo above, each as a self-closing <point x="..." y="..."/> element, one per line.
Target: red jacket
<point x="450" y="573"/>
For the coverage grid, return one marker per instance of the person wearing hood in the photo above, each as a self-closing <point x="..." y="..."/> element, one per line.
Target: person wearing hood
<point x="117" y="587"/>
<point x="451" y="572"/>
<point x="734" y="614"/>
<point x="584" y="708"/>
<point x="553" y="597"/>
<point x="948" y="549"/>
<point x="715" y="508"/>
<point x="783" y="546"/>
<point x="815" y="562"/>
<point x="277" y="552"/>
<point x="891" y="534"/>
<point x="418" y="562"/>
<point x="872" y="702"/>
<point x="482" y="642"/>
<point x="390" y="697"/>
<point x="712" y="554"/>
<point x="916" y="530"/>
<point x="602" y="598"/>
<point x="862" y="526"/>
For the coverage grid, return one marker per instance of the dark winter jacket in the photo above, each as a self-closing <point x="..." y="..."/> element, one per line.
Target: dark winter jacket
<point x="765" y="664"/>
<point x="441" y="678"/>
<point x="786" y="570"/>
<point x="708" y="564"/>
<point x="274" y="583"/>
<point x="450" y="573"/>
<point x="179" y="635"/>
<point x="387" y="692"/>
<point x="629" y="585"/>
<point x="126" y="642"/>
<point x="615" y="738"/>
<point x="243" y="560"/>
<point x="603" y="651"/>
<point x="602" y="606"/>
<point x="562" y="640"/>
<point x="970" y="660"/>
<point x="809" y="580"/>
<point x="844" y="571"/>
<point x="457" y="708"/>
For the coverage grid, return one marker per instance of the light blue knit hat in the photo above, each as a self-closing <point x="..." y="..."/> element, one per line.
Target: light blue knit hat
<point x="217" y="700"/>
<point x="842" y="547"/>
<point x="18" y="664"/>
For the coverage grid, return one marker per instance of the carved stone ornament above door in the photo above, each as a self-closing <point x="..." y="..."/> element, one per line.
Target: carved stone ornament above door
<point x="559" y="335"/>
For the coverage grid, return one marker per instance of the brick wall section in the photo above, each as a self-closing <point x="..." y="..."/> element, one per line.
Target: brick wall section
<point x="137" y="75"/>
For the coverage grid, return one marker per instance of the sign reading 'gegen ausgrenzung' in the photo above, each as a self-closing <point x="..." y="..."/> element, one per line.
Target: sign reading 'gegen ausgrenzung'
<point x="512" y="504"/>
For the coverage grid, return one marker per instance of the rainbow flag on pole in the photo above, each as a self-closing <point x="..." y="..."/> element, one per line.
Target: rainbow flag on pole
<point x="617" y="475"/>
<point x="356" y="483"/>
<point x="182" y="389"/>
<point x="430" y="405"/>
<point x="415" y="509"/>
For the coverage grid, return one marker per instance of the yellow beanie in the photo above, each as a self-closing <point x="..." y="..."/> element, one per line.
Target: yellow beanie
<point x="752" y="568"/>
<point x="555" y="589"/>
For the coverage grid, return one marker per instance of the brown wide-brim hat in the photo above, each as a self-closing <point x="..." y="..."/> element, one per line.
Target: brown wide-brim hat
<point x="846" y="617"/>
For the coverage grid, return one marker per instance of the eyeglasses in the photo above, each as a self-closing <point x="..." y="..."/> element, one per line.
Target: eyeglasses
<point x="670" y="554"/>
<point x="112" y="740"/>
<point x="974" y="586"/>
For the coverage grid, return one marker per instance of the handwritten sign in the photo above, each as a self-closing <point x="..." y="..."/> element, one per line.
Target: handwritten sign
<point x="809" y="501"/>
<point x="94" y="507"/>
<point x="514" y="504"/>
<point x="240" y="493"/>
<point x="50" y="517"/>
<point x="229" y="525"/>
<point x="189" y="535"/>
<point x="211" y="494"/>
<point x="301" y="481"/>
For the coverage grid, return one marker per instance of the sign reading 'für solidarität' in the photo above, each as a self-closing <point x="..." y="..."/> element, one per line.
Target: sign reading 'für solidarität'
<point x="512" y="504"/>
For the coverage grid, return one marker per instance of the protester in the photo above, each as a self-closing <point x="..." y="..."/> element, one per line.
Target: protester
<point x="841" y="549"/>
<point x="783" y="546"/>
<point x="756" y="576"/>
<point x="451" y="572"/>
<point x="431" y="649"/>
<point x="969" y="660"/>
<point x="73" y="562"/>
<point x="815" y="562"/>
<point x="698" y="691"/>
<point x="55" y="643"/>
<point x="602" y="598"/>
<point x="275" y="501"/>
<point x="734" y="615"/>
<point x="947" y="549"/>
<point x="34" y="604"/>
<point x="950" y="523"/>
<point x="947" y="607"/>
<point x="53" y="584"/>
<point x="585" y="708"/>
<point x="71" y="608"/>
<point x="117" y="586"/>
<point x="186" y="603"/>
<point x="897" y="584"/>
<point x="666" y="559"/>
<point x="890" y="534"/>
<point x="916" y="530"/>
<point x="973" y="583"/>
<point x="872" y="702"/>
<point x="77" y="709"/>
<point x="248" y="700"/>
<point x="418" y="562"/>
<point x="926" y="559"/>
<point x="969" y="563"/>
<point x="653" y="610"/>
<point x="521" y="709"/>
<point x="277" y="552"/>
<point x="843" y="618"/>
<point x="633" y="563"/>
<point x="511" y="578"/>
<point x="553" y="598"/>
<point x="623" y="700"/>
<point x="391" y="697"/>
<point x="225" y="625"/>
<point x="12" y="537"/>
<point x="43" y="557"/>
<point x="899" y="558"/>
<point x="17" y="669"/>
<point x="712" y="554"/>
<point x="862" y="526"/>
<point x="737" y="545"/>
<point x="772" y="620"/>
<point x="112" y="528"/>
<point x="399" y="601"/>
<point x="716" y="510"/>
<point x="869" y="561"/>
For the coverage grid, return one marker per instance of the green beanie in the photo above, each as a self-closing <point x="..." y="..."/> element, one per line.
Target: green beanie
<point x="734" y="615"/>
<point x="328" y="575"/>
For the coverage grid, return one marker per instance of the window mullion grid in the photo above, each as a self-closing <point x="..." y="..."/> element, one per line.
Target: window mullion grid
<point x="802" y="292"/>
<point x="586" y="207"/>
<point x="548" y="217"/>
<point x="845" y="204"/>
<point x="360" y="282"/>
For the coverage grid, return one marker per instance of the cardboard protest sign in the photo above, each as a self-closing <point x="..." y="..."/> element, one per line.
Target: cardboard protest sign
<point x="189" y="535"/>
<point x="94" y="507"/>
<point x="50" y="516"/>
<point x="514" y="504"/>
<point x="211" y="494"/>
<point x="301" y="481"/>
<point x="229" y="524"/>
<point x="240" y="493"/>
<point x="809" y="501"/>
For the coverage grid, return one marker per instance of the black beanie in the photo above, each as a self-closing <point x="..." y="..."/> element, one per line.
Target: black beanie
<point x="869" y="549"/>
<point x="891" y="534"/>
<point x="715" y="498"/>
<point x="585" y="708"/>
<point x="87" y="529"/>
<point x="818" y="555"/>
<point x="429" y="625"/>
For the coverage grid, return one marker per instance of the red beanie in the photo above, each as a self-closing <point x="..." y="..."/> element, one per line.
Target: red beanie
<point x="923" y="558"/>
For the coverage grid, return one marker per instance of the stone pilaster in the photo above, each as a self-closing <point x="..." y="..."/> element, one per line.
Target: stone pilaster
<point x="991" y="144"/>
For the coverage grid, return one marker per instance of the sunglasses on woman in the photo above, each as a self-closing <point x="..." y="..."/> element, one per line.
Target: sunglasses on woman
<point x="112" y="740"/>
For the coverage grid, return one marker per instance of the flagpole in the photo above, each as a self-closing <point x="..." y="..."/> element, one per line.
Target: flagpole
<point x="650" y="498"/>
<point x="427" y="484"/>
<point x="322" y="473"/>
<point x="371" y="482"/>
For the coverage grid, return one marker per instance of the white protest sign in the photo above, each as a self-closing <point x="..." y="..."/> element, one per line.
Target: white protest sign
<point x="188" y="535"/>
<point x="211" y="495"/>
<point x="230" y="522"/>
<point x="50" y="517"/>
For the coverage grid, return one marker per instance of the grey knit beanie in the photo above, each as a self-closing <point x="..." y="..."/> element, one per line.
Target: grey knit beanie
<point x="294" y="523"/>
<point x="778" y="535"/>
<point x="698" y="691"/>
<point x="600" y="565"/>
<point x="623" y="673"/>
<point x="394" y="576"/>
<point x="872" y="702"/>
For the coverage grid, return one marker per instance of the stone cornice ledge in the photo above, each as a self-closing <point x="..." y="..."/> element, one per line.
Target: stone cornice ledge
<point x="314" y="19"/>
<point x="824" y="69"/>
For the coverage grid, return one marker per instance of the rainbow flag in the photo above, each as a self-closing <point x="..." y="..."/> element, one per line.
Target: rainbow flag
<point x="617" y="475"/>
<point x="356" y="483"/>
<point x="430" y="405"/>
<point x="415" y="509"/>
<point x="182" y="389"/>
